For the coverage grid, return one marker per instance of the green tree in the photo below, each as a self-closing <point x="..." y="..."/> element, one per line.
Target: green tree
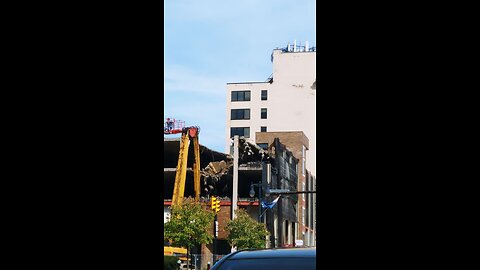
<point x="245" y="232"/>
<point x="170" y="263"/>
<point x="189" y="225"/>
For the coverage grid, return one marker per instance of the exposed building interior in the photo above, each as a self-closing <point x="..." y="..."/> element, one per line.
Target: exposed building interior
<point x="217" y="179"/>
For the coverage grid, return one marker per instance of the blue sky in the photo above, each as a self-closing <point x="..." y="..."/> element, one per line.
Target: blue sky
<point x="210" y="43"/>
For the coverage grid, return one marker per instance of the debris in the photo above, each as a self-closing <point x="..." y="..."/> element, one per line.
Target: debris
<point x="216" y="169"/>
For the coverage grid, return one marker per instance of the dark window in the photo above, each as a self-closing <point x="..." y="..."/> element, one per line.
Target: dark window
<point x="264" y="94"/>
<point x="240" y="131"/>
<point x="237" y="114"/>
<point x="264" y="146"/>
<point x="247" y="95"/>
<point x="263" y="129"/>
<point x="240" y="95"/>
<point x="264" y="113"/>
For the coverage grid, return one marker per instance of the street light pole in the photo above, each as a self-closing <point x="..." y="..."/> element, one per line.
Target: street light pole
<point x="214" y="238"/>
<point x="260" y="203"/>
<point x="235" y="176"/>
<point x="252" y="194"/>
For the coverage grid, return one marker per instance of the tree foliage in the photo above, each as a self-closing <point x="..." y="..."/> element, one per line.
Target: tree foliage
<point x="189" y="225"/>
<point x="245" y="232"/>
<point x="170" y="263"/>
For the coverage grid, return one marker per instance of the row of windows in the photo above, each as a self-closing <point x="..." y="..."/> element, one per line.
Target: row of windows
<point x="245" y="95"/>
<point x="244" y="114"/>
<point x="243" y="131"/>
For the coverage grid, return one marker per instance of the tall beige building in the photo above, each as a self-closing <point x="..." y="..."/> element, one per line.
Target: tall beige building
<point x="286" y="102"/>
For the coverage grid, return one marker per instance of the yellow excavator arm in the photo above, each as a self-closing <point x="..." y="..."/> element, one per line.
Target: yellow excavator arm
<point x="188" y="134"/>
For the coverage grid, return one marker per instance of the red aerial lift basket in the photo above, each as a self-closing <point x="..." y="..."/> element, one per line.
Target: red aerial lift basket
<point x="173" y="126"/>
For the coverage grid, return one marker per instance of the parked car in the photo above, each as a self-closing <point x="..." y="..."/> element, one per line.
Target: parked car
<point x="278" y="259"/>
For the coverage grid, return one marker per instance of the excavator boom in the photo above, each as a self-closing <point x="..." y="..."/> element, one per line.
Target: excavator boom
<point x="188" y="134"/>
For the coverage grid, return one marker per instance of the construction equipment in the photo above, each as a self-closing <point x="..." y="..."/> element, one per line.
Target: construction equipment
<point x="173" y="126"/>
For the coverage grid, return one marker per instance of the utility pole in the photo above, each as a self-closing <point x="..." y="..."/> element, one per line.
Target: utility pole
<point x="269" y="215"/>
<point x="252" y="194"/>
<point x="216" y="208"/>
<point x="260" y="202"/>
<point x="235" y="176"/>
<point x="215" y="232"/>
<point x="263" y="184"/>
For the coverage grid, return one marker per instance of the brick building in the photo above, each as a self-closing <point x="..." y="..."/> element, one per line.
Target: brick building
<point x="298" y="144"/>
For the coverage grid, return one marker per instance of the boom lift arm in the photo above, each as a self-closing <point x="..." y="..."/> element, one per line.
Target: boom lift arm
<point x="188" y="134"/>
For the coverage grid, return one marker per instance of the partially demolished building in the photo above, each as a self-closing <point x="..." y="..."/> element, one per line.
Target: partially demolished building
<point x="273" y="168"/>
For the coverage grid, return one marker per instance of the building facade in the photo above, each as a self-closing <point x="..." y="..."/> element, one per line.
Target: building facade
<point x="285" y="102"/>
<point x="284" y="106"/>
<point x="298" y="144"/>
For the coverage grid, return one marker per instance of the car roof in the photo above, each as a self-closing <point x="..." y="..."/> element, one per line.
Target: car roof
<point x="273" y="253"/>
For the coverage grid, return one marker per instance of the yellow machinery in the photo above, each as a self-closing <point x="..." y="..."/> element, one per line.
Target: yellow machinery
<point x="175" y="251"/>
<point x="188" y="134"/>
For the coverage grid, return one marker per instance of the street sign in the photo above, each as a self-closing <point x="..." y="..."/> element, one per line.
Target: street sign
<point x="216" y="228"/>
<point x="275" y="191"/>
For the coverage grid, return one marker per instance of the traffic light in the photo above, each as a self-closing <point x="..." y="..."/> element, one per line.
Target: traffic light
<point x="217" y="205"/>
<point x="214" y="203"/>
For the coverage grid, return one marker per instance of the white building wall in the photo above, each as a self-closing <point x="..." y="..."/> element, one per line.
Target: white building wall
<point x="291" y="100"/>
<point x="291" y="106"/>
<point x="255" y="105"/>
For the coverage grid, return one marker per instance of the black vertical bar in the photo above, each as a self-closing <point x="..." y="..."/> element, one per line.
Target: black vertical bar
<point x="259" y="203"/>
<point x="271" y="226"/>
<point x="279" y="174"/>
<point x="280" y="222"/>
<point x="263" y="184"/>
<point x="214" y="238"/>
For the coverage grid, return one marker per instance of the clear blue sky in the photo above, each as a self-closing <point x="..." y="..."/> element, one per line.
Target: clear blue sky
<point x="210" y="43"/>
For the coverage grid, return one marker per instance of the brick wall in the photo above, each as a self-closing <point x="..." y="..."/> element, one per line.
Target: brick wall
<point x="293" y="140"/>
<point x="223" y="217"/>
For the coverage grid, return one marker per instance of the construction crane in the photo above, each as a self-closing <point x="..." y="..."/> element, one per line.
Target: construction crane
<point x="173" y="126"/>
